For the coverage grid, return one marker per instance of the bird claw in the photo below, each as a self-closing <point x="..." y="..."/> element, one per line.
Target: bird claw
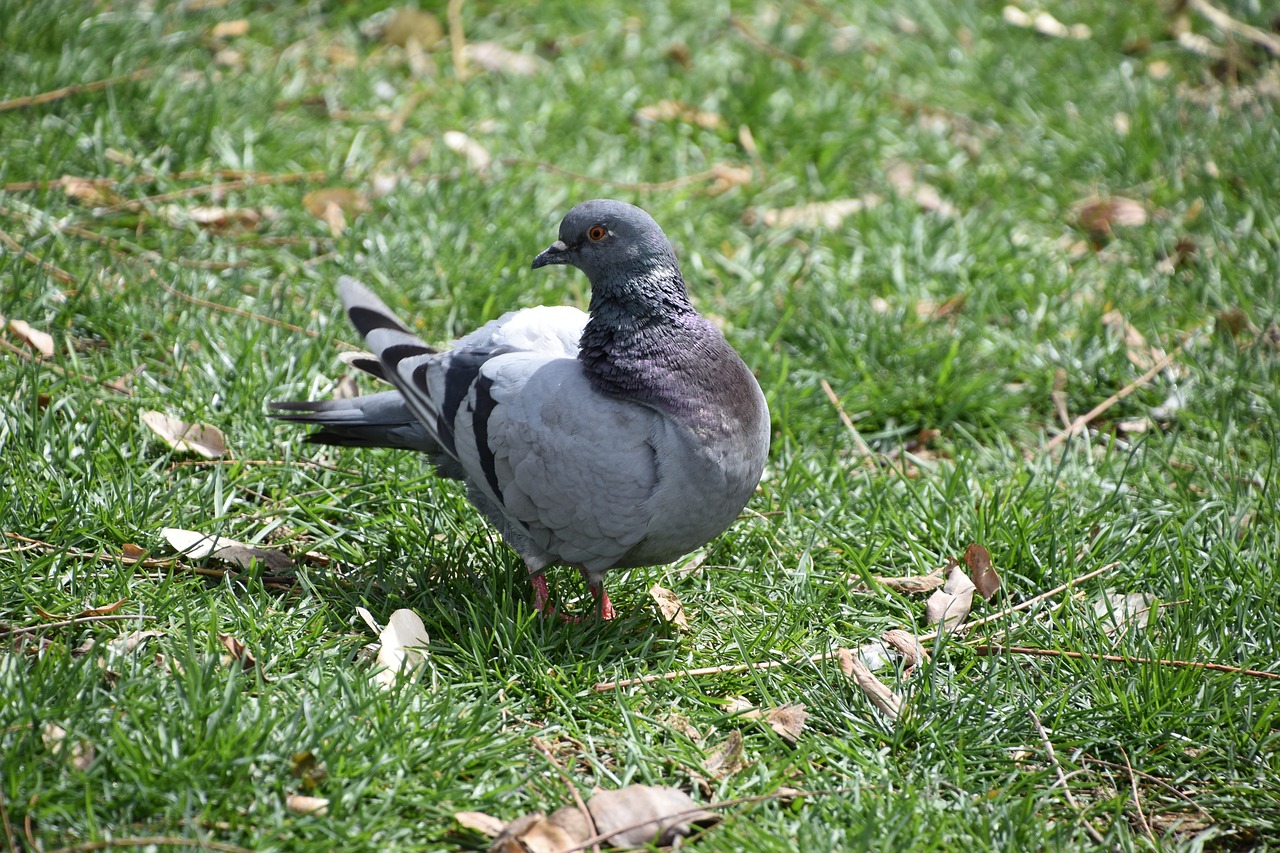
<point x="542" y="600"/>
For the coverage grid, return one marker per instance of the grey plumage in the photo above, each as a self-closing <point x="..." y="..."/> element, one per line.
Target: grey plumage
<point x="624" y="438"/>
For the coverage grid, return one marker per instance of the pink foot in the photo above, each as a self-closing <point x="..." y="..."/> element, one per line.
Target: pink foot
<point x="602" y="597"/>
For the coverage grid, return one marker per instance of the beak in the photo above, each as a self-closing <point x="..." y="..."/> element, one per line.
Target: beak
<point x="554" y="254"/>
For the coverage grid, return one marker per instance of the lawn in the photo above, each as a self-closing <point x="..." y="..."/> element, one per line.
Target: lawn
<point x="1002" y="284"/>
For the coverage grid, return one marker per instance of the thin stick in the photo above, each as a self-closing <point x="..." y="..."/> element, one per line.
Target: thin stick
<point x="776" y="52"/>
<point x="1157" y="780"/>
<point x="69" y="91"/>
<point x="113" y="617"/>
<point x="1060" y="653"/>
<point x="573" y="789"/>
<point x="1225" y="22"/>
<point x="21" y="353"/>
<point x="270" y="463"/>
<point x="56" y="271"/>
<point x="10" y="839"/>
<point x="1030" y="602"/>
<point x="1062" y="777"/>
<point x="863" y="447"/>
<point x="150" y="841"/>
<point x="229" y="186"/>
<point x="1078" y="425"/>
<point x="1137" y="799"/>
<point x="457" y="39"/>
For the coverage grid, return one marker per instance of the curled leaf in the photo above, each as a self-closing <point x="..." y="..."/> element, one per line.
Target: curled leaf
<point x="200" y="439"/>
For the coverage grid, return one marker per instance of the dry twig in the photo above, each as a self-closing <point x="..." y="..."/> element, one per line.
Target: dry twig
<point x="54" y="270"/>
<point x="69" y="91"/>
<point x="573" y="789"/>
<point x="75" y="620"/>
<point x="21" y="353"/>
<point x="863" y="447"/>
<point x="1062" y="778"/>
<point x="987" y="649"/>
<point x="1226" y="23"/>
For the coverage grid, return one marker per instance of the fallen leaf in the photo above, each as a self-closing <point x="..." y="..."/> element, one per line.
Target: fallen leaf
<point x="1118" y="611"/>
<point x="927" y="309"/>
<point x="485" y="824"/>
<point x="41" y="342"/>
<point x="911" y="584"/>
<point x="199" y="546"/>
<point x="346" y="388"/>
<point x="1097" y="215"/>
<point x="1046" y="24"/>
<point x="726" y="758"/>
<point x="212" y="217"/>
<point x="662" y="814"/>
<point x="127" y="644"/>
<point x="740" y="705"/>
<point x="411" y="24"/>
<point x="788" y="721"/>
<point x="200" y="439"/>
<point x="131" y="553"/>
<point x="823" y="214"/>
<point x="889" y="703"/>
<point x="986" y="580"/>
<point x="238" y="652"/>
<point x="1184" y="250"/>
<point x="905" y="644"/>
<point x="670" y="607"/>
<point x="950" y="605"/>
<point x="1139" y="354"/>
<point x="494" y="57"/>
<point x="334" y="206"/>
<point x="902" y="178"/>
<point x="727" y="177"/>
<point x="670" y="110"/>
<point x="230" y="29"/>
<point x="680" y="723"/>
<point x="1134" y="426"/>
<point x="539" y="833"/>
<point x="91" y="192"/>
<point x="304" y="804"/>
<point x="305" y="766"/>
<point x="1234" y="321"/>
<point x="400" y="645"/>
<point x="78" y="753"/>
<point x="476" y="155"/>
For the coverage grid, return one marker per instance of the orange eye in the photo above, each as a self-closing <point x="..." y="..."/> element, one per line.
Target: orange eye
<point x="596" y="233"/>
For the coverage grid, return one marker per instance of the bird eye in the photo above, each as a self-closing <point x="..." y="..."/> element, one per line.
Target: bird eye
<point x="596" y="233"/>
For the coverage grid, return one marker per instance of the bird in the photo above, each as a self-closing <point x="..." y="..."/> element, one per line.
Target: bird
<point x="626" y="436"/>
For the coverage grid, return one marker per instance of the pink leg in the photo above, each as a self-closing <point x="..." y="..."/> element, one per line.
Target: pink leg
<point x="540" y="594"/>
<point x="602" y="597"/>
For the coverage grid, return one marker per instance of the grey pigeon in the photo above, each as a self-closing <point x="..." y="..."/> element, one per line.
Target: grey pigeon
<point x="628" y="436"/>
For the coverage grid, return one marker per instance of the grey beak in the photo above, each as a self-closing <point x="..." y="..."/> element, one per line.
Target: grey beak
<point x="554" y="254"/>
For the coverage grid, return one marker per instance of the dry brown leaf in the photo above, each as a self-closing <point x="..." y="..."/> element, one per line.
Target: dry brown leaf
<point x="1098" y="215"/>
<point x="476" y="155"/>
<point x="411" y="24"/>
<point x="238" y="652"/>
<point x="741" y="705"/>
<point x="346" y="388"/>
<point x="200" y="439"/>
<point x="788" y="721"/>
<point x="727" y="177"/>
<point x="130" y="553"/>
<point x="401" y="645"/>
<point x="670" y="607"/>
<point x="305" y="766"/>
<point x="198" y="546"/>
<point x="1234" y="321"/>
<point x="494" y="57"/>
<point x="78" y="753"/>
<point x="679" y="111"/>
<point x="680" y="723"/>
<point x="127" y="644"/>
<point x="950" y="605"/>
<point x="230" y="29"/>
<point x="823" y="214"/>
<point x="305" y="804"/>
<point x="335" y="206"/>
<point x="539" y="833"/>
<point x="667" y="813"/>
<point x="726" y="759"/>
<point x="911" y="584"/>
<point x="41" y="342"/>
<point x="91" y="192"/>
<point x="902" y="178"/>
<point x="927" y="309"/>
<point x="1183" y="251"/>
<point x="889" y="703"/>
<point x="986" y="580"/>
<point x="1046" y="24"/>
<point x="212" y="217"/>
<point x="905" y="644"/>
<point x="485" y="824"/>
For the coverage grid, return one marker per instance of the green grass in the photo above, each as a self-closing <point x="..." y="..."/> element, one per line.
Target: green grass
<point x="1011" y="128"/>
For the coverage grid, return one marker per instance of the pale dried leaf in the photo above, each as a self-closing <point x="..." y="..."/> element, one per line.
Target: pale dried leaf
<point x="539" y="833"/>
<point x="238" y="652"/>
<point x="680" y="723"/>
<point x="346" y="388"/>
<point x="411" y="24"/>
<point x="670" y="110"/>
<point x="667" y="813"/>
<point x="1139" y="354"/>
<point x="485" y="824"/>
<point x="1134" y="426"/>
<point x="986" y="580"/>
<point x="928" y="309"/>
<point x="200" y="439"/>
<point x="902" y="178"/>
<point x="823" y="214"/>
<point x="740" y="705"/>
<point x="199" y="546"/>
<point x="889" y="703"/>
<point x="1118" y="611"/>
<point x="670" y="607"/>
<point x="494" y="57"/>
<point x="727" y="177"/>
<point x="335" y="206"/>
<point x="41" y="342"/>
<point x="1046" y="24"/>
<point x="305" y="804"/>
<point x="905" y="644"/>
<point x="78" y="753"/>
<point x="230" y="29"/>
<point x="368" y="619"/>
<point x="726" y="758"/>
<point x="212" y="217"/>
<point x="950" y="605"/>
<point x="402" y="644"/>
<point x="788" y="721"/>
<point x="911" y="584"/>
<point x="476" y="155"/>
<point x="1098" y="215"/>
<point x="89" y="192"/>
<point x="127" y="644"/>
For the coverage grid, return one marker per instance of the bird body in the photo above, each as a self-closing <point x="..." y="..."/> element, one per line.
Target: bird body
<point x="625" y="437"/>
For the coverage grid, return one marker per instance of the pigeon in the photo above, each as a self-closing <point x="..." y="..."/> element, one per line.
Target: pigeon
<point x="627" y="436"/>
